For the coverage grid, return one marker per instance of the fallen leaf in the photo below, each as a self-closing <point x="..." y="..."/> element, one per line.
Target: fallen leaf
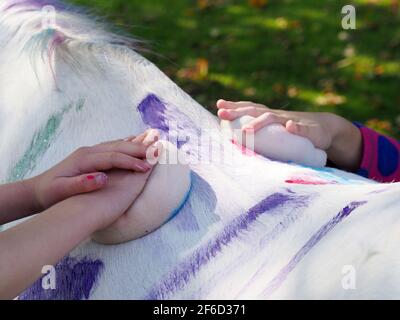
<point x="343" y="36"/>
<point x="198" y="71"/>
<point x="250" y="92"/>
<point x="292" y="92"/>
<point x="203" y="4"/>
<point x="330" y="98"/>
<point x="395" y="6"/>
<point x="349" y="51"/>
<point x="258" y="3"/>
<point x="383" y="126"/>
<point x="379" y="70"/>
<point x="278" y="88"/>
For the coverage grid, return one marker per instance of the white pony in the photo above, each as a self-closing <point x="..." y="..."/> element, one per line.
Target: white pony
<point x="251" y="229"/>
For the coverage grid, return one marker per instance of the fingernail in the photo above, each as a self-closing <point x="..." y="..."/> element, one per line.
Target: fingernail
<point x="153" y="153"/>
<point x="143" y="167"/>
<point x="151" y="137"/>
<point x="101" y="178"/>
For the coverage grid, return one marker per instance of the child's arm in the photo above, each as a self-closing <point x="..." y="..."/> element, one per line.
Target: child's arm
<point x="16" y="201"/>
<point x="46" y="238"/>
<point x="347" y="146"/>
<point x="340" y="139"/>
<point x="81" y="172"/>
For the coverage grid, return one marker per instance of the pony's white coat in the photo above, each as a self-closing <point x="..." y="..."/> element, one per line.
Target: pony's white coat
<point x="80" y="85"/>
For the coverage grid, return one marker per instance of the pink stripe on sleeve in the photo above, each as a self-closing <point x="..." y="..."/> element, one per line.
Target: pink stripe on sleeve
<point x="381" y="156"/>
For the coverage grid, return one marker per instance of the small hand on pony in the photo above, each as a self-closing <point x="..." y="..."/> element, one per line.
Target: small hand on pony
<point x="86" y="192"/>
<point x="329" y="132"/>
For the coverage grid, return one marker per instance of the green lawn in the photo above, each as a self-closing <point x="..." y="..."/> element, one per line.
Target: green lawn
<point x="287" y="54"/>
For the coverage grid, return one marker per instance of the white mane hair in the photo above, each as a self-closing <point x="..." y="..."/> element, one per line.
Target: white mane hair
<point x="254" y="228"/>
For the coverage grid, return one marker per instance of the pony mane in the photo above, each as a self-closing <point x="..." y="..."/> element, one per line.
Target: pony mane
<point x="74" y="36"/>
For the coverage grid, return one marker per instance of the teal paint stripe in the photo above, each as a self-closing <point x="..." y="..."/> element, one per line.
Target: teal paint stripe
<point x="40" y="143"/>
<point x="39" y="42"/>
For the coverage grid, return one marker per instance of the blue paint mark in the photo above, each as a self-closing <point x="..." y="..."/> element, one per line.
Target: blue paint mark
<point x="319" y="169"/>
<point x="184" y="201"/>
<point x="204" y="198"/>
<point x="182" y="274"/>
<point x="74" y="281"/>
<point x="316" y="238"/>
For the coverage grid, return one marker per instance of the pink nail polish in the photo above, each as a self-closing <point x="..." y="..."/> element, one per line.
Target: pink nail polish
<point x="90" y="177"/>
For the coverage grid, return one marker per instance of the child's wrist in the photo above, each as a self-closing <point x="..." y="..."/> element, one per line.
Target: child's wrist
<point x="90" y="212"/>
<point x="79" y="208"/>
<point x="346" y="148"/>
<point x="31" y="196"/>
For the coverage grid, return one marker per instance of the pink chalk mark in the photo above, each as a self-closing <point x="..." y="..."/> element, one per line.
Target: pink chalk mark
<point x="309" y="182"/>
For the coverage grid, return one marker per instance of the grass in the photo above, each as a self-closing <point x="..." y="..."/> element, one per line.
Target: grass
<point x="290" y="54"/>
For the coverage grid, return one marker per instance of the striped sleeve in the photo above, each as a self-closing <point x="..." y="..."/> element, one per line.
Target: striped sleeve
<point x="381" y="156"/>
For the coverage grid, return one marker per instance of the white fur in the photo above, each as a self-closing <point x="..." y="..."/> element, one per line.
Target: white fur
<point x="110" y="81"/>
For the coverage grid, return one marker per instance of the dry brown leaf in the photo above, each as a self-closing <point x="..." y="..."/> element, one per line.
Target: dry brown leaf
<point x="258" y="3"/>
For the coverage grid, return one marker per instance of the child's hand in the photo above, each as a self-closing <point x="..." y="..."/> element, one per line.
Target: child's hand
<point x="334" y="134"/>
<point x="105" y="206"/>
<point x="83" y="170"/>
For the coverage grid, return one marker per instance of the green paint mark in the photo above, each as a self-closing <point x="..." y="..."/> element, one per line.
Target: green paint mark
<point x="40" y="143"/>
<point x="79" y="105"/>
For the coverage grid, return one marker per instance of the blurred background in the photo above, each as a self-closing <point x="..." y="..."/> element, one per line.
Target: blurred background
<point x="288" y="54"/>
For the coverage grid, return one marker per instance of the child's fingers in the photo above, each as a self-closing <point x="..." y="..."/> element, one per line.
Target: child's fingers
<point x="106" y="145"/>
<point x="140" y="138"/>
<point x="264" y="120"/>
<point x="67" y="187"/>
<point x="232" y="114"/>
<point x="130" y="138"/>
<point x="223" y="104"/>
<point x="295" y="128"/>
<point x="311" y="132"/>
<point x="132" y="148"/>
<point x="148" y="137"/>
<point x="112" y="160"/>
<point x="152" y="136"/>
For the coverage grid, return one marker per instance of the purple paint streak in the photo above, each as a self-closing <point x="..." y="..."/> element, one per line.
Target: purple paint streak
<point x="74" y="281"/>
<point x="182" y="274"/>
<point x="186" y="220"/>
<point x="157" y="114"/>
<point x="153" y="112"/>
<point x="321" y="233"/>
